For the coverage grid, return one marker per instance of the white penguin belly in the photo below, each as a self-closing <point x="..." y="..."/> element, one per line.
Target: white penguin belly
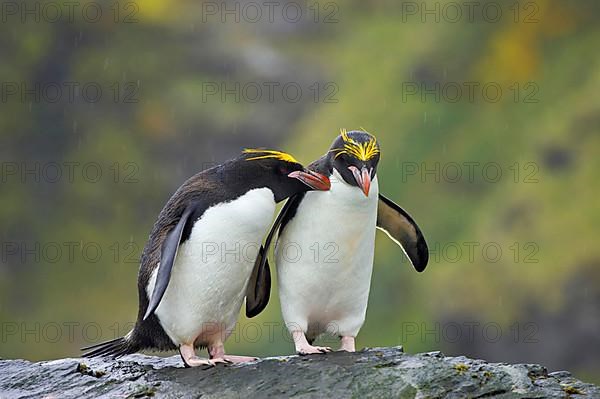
<point x="325" y="260"/>
<point x="209" y="278"/>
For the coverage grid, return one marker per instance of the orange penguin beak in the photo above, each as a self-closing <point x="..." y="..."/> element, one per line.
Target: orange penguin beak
<point x="314" y="180"/>
<point x="362" y="177"/>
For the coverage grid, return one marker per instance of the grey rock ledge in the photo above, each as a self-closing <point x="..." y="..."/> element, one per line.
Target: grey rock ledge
<point x="370" y="373"/>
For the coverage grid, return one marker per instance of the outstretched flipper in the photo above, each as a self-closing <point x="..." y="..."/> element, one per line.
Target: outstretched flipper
<point x="167" y="259"/>
<point x="403" y="230"/>
<point x="259" y="286"/>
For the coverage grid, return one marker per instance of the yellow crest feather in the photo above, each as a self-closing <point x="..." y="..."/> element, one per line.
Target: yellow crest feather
<point x="265" y="154"/>
<point x="362" y="151"/>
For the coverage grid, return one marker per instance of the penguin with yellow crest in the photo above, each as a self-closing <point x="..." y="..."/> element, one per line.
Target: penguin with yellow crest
<point x="326" y="242"/>
<point x="189" y="295"/>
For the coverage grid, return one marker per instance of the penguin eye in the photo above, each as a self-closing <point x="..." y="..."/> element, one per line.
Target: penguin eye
<point x="343" y="158"/>
<point x="283" y="170"/>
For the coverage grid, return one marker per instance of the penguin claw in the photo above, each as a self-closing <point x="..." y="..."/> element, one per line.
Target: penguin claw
<point x="239" y="359"/>
<point x="197" y="362"/>
<point x="309" y="350"/>
<point x="215" y="361"/>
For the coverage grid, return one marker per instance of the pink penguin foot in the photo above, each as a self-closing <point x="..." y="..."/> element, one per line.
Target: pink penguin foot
<point x="188" y="355"/>
<point x="304" y="348"/>
<point x="348" y="344"/>
<point x="309" y="349"/>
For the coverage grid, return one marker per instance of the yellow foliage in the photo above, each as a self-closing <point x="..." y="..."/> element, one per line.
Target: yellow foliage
<point x="514" y="51"/>
<point x="158" y="10"/>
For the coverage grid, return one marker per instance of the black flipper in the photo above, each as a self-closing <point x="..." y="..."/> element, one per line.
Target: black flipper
<point x="403" y="230"/>
<point x="167" y="259"/>
<point x="259" y="286"/>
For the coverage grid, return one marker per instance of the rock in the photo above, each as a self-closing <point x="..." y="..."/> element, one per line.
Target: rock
<point x="371" y="373"/>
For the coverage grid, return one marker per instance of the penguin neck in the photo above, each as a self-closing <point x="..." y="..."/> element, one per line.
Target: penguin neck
<point x="239" y="178"/>
<point x="323" y="165"/>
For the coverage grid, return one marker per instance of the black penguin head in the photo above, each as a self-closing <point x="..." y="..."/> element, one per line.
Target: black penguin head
<point x="355" y="156"/>
<point x="281" y="173"/>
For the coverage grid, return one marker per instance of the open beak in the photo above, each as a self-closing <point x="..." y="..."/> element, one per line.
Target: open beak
<point x="314" y="180"/>
<point x="362" y="177"/>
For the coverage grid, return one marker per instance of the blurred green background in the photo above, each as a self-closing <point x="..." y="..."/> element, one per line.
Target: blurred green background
<point x="501" y="178"/>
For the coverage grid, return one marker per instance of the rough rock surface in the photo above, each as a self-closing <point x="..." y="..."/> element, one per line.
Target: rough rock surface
<point x="371" y="373"/>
